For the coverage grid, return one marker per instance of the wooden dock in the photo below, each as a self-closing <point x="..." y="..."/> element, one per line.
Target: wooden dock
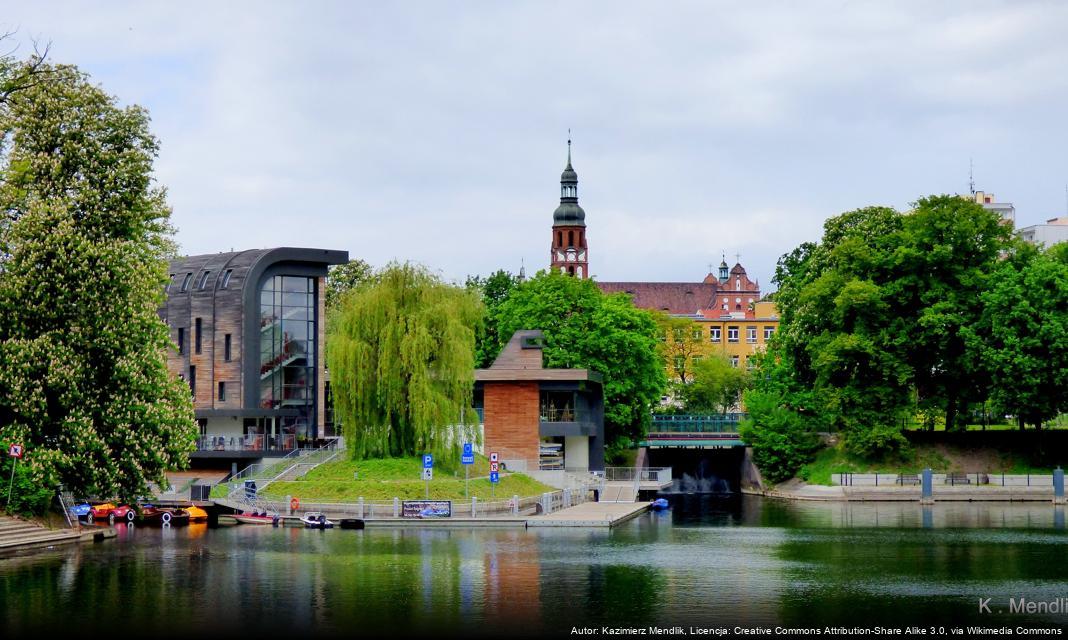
<point x="591" y="514"/>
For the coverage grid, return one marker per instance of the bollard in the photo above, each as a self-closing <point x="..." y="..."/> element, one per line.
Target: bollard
<point x="360" y="506"/>
<point x="927" y="496"/>
<point x="289" y="504"/>
<point x="396" y="507"/>
<point x="1058" y="486"/>
<point x="515" y="505"/>
<point x="474" y="508"/>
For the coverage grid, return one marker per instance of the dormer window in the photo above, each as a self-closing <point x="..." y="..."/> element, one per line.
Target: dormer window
<point x="185" y="282"/>
<point x="203" y="280"/>
<point x="226" y="278"/>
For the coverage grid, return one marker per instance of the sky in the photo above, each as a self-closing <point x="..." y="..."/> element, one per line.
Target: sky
<point x="436" y="132"/>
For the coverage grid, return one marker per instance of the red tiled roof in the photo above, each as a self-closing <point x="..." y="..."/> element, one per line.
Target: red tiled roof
<point x="671" y="297"/>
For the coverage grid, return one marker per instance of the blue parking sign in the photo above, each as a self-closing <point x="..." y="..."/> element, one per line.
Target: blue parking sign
<point x="495" y="477"/>
<point x="469" y="450"/>
<point x="469" y="455"/>
<point x="428" y="461"/>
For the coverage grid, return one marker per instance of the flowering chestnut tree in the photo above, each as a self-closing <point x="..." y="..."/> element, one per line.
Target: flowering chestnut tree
<point x="84" y="238"/>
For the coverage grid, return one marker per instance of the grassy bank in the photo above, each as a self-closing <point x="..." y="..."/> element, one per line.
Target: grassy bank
<point x="939" y="457"/>
<point x="386" y="478"/>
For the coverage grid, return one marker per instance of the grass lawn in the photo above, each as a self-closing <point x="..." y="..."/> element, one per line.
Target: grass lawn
<point x="940" y="458"/>
<point x="386" y="478"/>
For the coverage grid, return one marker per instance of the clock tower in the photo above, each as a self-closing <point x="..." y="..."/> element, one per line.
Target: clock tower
<point x="569" y="253"/>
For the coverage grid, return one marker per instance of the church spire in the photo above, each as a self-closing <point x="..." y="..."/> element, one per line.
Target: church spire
<point x="568" y="250"/>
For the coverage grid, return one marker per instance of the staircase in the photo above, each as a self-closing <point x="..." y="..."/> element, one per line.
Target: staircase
<point x="293" y="467"/>
<point x="18" y="534"/>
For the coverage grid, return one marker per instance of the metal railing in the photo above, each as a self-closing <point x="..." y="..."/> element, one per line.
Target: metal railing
<point x="957" y="479"/>
<point x="564" y="415"/>
<point x="474" y="508"/>
<point x="659" y="475"/>
<point x="285" y="442"/>
<point x="720" y="423"/>
<point x="265" y="473"/>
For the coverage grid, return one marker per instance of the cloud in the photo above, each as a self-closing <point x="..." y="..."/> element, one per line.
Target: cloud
<point x="435" y="131"/>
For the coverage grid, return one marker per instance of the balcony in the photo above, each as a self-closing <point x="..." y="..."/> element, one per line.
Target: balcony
<point x="566" y="422"/>
<point x="248" y="446"/>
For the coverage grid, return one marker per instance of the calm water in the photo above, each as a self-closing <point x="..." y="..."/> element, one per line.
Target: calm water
<point x="709" y="562"/>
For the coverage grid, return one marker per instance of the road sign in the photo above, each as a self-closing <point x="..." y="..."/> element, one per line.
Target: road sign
<point x="494" y="467"/>
<point x="428" y="473"/>
<point x="428" y="461"/>
<point x="493" y="457"/>
<point x="495" y="477"/>
<point x="469" y="454"/>
<point x="469" y="450"/>
<point x="15" y="451"/>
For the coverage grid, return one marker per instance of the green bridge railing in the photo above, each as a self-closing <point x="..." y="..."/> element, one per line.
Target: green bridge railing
<point x="719" y="423"/>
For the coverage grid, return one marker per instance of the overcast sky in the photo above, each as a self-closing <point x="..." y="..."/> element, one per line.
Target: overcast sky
<point x="436" y="131"/>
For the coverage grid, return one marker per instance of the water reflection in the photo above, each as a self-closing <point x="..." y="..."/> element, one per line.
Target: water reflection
<point x="709" y="561"/>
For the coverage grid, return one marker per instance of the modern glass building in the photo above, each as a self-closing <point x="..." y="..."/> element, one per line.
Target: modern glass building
<point x="248" y="330"/>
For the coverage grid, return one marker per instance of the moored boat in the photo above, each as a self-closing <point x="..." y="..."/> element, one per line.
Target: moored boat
<point x="256" y="517"/>
<point x="351" y="523"/>
<point x="660" y="504"/>
<point x="196" y="514"/>
<point x="316" y="520"/>
<point x="157" y="517"/>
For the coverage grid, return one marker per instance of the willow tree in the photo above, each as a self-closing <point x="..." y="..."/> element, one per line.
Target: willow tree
<point x="401" y="357"/>
<point x="84" y="238"/>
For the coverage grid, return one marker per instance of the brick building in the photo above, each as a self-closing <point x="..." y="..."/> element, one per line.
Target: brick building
<point x="249" y="329"/>
<point x="538" y="418"/>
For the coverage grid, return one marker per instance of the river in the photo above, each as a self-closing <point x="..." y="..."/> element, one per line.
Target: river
<point x="709" y="562"/>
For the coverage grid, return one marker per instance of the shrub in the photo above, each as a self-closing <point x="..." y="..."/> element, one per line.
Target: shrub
<point x="28" y="495"/>
<point x="780" y="437"/>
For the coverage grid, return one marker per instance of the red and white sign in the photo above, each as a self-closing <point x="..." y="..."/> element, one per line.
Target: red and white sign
<point x="493" y="457"/>
<point x="15" y="451"/>
<point x="494" y="466"/>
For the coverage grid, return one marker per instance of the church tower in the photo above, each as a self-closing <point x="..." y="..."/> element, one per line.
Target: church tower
<point x="569" y="254"/>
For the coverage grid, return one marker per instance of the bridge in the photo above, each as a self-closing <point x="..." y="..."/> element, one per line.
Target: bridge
<point x="695" y="431"/>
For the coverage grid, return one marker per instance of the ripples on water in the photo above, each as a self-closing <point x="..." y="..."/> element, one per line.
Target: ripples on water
<point x="709" y="561"/>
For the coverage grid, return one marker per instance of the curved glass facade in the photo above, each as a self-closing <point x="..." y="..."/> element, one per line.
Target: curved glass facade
<point x="288" y="351"/>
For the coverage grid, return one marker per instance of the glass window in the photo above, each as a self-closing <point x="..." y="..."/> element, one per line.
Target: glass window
<point x="697" y="333"/>
<point x="768" y="332"/>
<point x="750" y="334"/>
<point x="222" y="392"/>
<point x="196" y="338"/>
<point x="716" y="332"/>
<point x="227" y="354"/>
<point x="732" y="334"/>
<point x="185" y="282"/>
<point x="734" y="361"/>
<point x="193" y="381"/>
<point x="181" y="340"/>
<point x="203" y="280"/>
<point x="226" y="278"/>
<point x="288" y="350"/>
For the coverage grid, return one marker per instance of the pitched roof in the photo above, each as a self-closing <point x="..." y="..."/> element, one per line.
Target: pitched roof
<point x="672" y="297"/>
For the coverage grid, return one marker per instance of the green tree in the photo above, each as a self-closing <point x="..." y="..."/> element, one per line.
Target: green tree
<point x="781" y="438"/>
<point x="585" y="328"/>
<point x="949" y="247"/>
<point x="344" y="277"/>
<point x="680" y="341"/>
<point x="715" y="386"/>
<point x="83" y="247"/>
<point x="493" y="289"/>
<point x="401" y="357"/>
<point x="1022" y="335"/>
<point x="841" y="335"/>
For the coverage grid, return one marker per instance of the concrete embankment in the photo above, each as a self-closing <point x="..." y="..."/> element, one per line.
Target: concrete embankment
<point x="798" y="490"/>
<point x="17" y="535"/>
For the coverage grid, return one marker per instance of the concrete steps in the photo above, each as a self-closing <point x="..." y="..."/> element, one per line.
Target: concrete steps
<point x="16" y="534"/>
<point x="618" y="492"/>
